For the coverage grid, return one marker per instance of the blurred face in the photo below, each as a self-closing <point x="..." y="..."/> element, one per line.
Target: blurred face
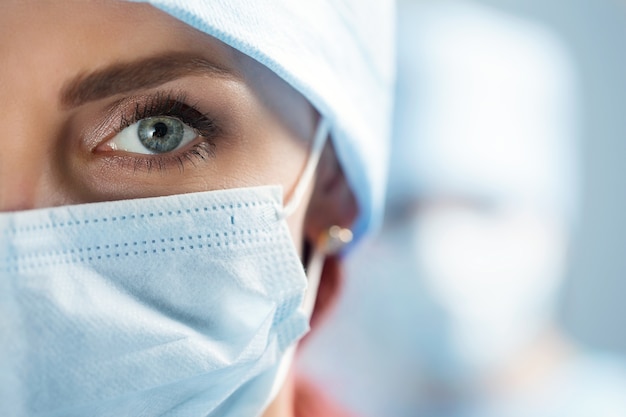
<point x="481" y="277"/>
<point x="106" y="101"/>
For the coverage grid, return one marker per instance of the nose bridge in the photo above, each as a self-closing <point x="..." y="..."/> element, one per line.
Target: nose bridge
<point x="31" y="71"/>
<point x="23" y="154"/>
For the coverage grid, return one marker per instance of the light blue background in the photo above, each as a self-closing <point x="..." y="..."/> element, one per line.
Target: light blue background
<point x="594" y="309"/>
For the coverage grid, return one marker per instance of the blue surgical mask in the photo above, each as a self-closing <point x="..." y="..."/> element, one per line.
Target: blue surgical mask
<point x="170" y="306"/>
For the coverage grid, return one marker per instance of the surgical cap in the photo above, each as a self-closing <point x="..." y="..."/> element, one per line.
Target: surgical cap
<point x="337" y="53"/>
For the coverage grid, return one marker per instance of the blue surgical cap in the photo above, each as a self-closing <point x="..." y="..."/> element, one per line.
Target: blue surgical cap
<point x="339" y="54"/>
<point x="487" y="106"/>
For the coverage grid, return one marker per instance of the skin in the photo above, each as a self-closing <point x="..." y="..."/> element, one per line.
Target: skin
<point x="61" y="147"/>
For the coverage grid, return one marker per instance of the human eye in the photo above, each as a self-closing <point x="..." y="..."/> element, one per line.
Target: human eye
<point x="159" y="130"/>
<point x="153" y="135"/>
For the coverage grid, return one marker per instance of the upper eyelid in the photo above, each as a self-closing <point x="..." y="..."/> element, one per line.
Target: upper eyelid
<point x="107" y="117"/>
<point x="131" y="110"/>
<point x="163" y="103"/>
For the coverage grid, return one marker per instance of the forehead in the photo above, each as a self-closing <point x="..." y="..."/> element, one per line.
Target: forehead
<point x="44" y="44"/>
<point x="55" y="37"/>
<point x="104" y="24"/>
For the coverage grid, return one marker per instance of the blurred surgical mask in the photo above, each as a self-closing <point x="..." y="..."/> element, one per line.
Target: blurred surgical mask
<point x="173" y="306"/>
<point x="482" y="280"/>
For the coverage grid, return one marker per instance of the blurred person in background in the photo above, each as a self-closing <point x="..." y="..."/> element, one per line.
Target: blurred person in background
<point x="451" y="310"/>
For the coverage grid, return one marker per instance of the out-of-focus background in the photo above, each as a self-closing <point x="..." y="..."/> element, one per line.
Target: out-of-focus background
<point x="594" y="306"/>
<point x="496" y="285"/>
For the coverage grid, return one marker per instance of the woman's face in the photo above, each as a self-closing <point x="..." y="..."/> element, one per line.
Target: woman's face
<point x="86" y="86"/>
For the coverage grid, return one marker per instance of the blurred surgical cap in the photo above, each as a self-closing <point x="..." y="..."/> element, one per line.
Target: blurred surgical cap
<point x="476" y="117"/>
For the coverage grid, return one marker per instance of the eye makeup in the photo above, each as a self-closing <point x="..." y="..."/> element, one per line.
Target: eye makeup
<point x="161" y="104"/>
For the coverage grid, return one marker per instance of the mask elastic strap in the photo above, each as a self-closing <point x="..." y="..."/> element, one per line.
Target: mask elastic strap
<point x="317" y="147"/>
<point x="319" y="140"/>
<point x="330" y="242"/>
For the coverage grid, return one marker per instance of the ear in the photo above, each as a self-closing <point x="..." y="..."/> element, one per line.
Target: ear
<point x="332" y="204"/>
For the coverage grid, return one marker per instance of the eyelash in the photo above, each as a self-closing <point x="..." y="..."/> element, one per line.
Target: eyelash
<point x="173" y="105"/>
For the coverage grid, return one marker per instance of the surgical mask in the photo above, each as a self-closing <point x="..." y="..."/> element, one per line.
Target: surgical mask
<point x="477" y="285"/>
<point x="172" y="306"/>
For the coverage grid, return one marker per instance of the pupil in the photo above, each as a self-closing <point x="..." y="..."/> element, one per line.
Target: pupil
<point x="160" y="130"/>
<point x="160" y="134"/>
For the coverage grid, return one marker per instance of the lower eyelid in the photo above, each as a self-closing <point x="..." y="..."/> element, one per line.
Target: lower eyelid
<point x="177" y="161"/>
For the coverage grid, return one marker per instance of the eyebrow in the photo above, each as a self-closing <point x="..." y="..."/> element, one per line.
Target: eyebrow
<point x="145" y="73"/>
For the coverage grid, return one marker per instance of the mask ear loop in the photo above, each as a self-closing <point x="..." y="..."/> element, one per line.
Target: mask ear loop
<point x="335" y="238"/>
<point x="330" y="242"/>
<point x="314" y="268"/>
<point x="319" y="140"/>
